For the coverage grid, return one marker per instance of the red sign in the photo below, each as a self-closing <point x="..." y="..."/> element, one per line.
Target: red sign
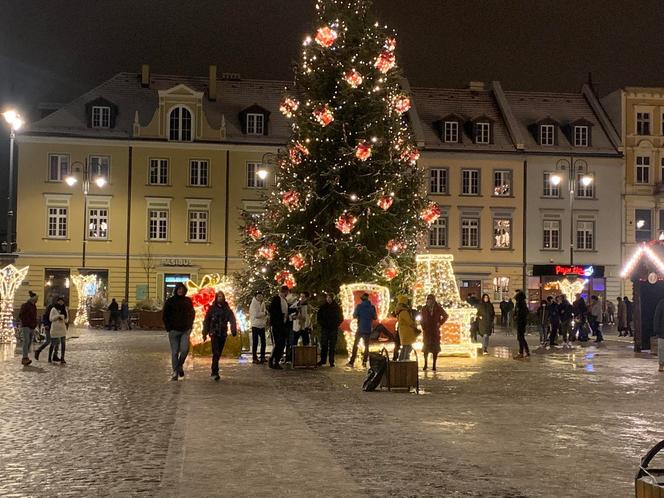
<point x="571" y="270"/>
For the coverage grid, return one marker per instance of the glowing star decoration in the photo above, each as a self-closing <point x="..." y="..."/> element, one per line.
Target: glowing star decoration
<point x="345" y="223"/>
<point x="431" y="213"/>
<point x="297" y="261"/>
<point x="385" y="61"/>
<point x="326" y="36"/>
<point x="353" y="78"/>
<point x="267" y="251"/>
<point x="290" y="199"/>
<point x="410" y="155"/>
<point x="401" y="104"/>
<point x="363" y="151"/>
<point x="435" y="275"/>
<point x="324" y="116"/>
<point x="86" y="287"/>
<point x="286" y="278"/>
<point x="253" y="232"/>
<point x="297" y="152"/>
<point x="10" y="279"/>
<point x="385" y="202"/>
<point x="202" y="296"/>
<point x="289" y="106"/>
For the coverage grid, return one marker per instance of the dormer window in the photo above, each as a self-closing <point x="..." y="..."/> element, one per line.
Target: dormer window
<point x="581" y="136"/>
<point x="482" y="132"/>
<point x="255" y="124"/>
<point x="180" y="125"/>
<point x="547" y="134"/>
<point x="101" y="116"/>
<point x="451" y="132"/>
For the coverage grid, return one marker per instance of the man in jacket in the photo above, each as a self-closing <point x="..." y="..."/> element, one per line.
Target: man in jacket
<point x="178" y="316"/>
<point x="329" y="317"/>
<point x="278" y="311"/>
<point x="565" y="314"/>
<point x="580" y="319"/>
<point x="114" y="310"/>
<point x="595" y="317"/>
<point x="658" y="329"/>
<point x="28" y="317"/>
<point x="124" y="315"/>
<point x="365" y="314"/>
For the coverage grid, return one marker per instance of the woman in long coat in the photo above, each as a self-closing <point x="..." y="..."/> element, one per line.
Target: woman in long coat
<point x="59" y="317"/>
<point x="622" y="317"/>
<point x="433" y="317"/>
<point x="485" y="318"/>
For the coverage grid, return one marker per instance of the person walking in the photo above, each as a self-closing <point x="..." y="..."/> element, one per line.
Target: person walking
<point x="408" y="331"/>
<point x="610" y="313"/>
<point x="365" y="314"/>
<point x="59" y="317"/>
<point x="434" y="317"/>
<point x="329" y="317"/>
<point x="658" y="329"/>
<point x="28" y="318"/>
<point x="278" y="311"/>
<point x="580" y="319"/>
<point x="485" y="319"/>
<point x="622" y="317"/>
<point x="565" y="312"/>
<point x="178" y="316"/>
<point x="595" y="317"/>
<point x="504" y="311"/>
<point x="521" y="318"/>
<point x="217" y="319"/>
<point x="554" y="321"/>
<point x="302" y="321"/>
<point x="46" y="325"/>
<point x="629" y="317"/>
<point x="258" y="319"/>
<point x="543" y="318"/>
<point x="114" y="319"/>
<point x="510" y="315"/>
<point x="125" y="322"/>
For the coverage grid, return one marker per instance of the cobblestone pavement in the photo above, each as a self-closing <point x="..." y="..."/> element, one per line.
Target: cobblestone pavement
<point x="111" y="423"/>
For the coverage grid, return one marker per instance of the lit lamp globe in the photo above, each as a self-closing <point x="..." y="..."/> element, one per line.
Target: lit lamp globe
<point x="586" y="180"/>
<point x="556" y="179"/>
<point x="262" y="173"/>
<point x="100" y="181"/>
<point x="71" y="181"/>
<point x="13" y="118"/>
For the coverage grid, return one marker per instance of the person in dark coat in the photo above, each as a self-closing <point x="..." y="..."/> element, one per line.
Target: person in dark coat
<point x="178" y="315"/>
<point x="278" y="311"/>
<point x="504" y="311"/>
<point x="114" y="309"/>
<point x="28" y="318"/>
<point x="124" y="315"/>
<point x="554" y="320"/>
<point x="580" y="319"/>
<point x="434" y="317"/>
<point x="217" y="319"/>
<point x="521" y="318"/>
<point x="565" y="312"/>
<point x="329" y="317"/>
<point x="365" y="313"/>
<point x="485" y="319"/>
<point x="658" y="329"/>
<point x="629" y="316"/>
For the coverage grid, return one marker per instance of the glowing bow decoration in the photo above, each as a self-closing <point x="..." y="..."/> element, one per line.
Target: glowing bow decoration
<point x="202" y="296"/>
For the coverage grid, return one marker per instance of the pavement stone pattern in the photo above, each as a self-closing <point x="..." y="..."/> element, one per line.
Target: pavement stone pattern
<point x="110" y="423"/>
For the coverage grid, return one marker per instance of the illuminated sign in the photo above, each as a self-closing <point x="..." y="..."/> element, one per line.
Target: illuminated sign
<point x="582" y="271"/>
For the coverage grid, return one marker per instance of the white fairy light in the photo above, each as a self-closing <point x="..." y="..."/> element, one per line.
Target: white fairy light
<point x="83" y="284"/>
<point x="10" y="279"/>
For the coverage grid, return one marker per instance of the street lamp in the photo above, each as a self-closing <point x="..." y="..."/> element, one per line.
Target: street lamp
<point x="572" y="168"/>
<point x="268" y="159"/>
<point x="99" y="180"/>
<point x="15" y="122"/>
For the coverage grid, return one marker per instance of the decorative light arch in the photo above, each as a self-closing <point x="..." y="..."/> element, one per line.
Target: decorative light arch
<point x="10" y="279"/>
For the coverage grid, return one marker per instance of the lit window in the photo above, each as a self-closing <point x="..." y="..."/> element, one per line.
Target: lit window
<point x="451" y="132"/>
<point x="101" y="116"/>
<point x="255" y="124"/>
<point x="643" y="123"/>
<point x="470" y="232"/>
<point x="585" y="235"/>
<point x="158" y="174"/>
<point x="642" y="169"/>
<point x="551" y="238"/>
<point x="438" y="233"/>
<point x="550" y="190"/>
<point x="501" y="288"/>
<point x="158" y="224"/>
<point x="100" y="167"/>
<point x="547" y="134"/>
<point x="502" y="233"/>
<point x="502" y="183"/>
<point x="180" y="125"/>
<point x="58" y="167"/>
<point x="581" y="134"/>
<point x="643" y="225"/>
<point x="438" y="177"/>
<point x="482" y="133"/>
<point x="253" y="180"/>
<point x="199" y="173"/>
<point x="57" y="223"/>
<point x="470" y="182"/>
<point x="98" y="223"/>
<point x="198" y="226"/>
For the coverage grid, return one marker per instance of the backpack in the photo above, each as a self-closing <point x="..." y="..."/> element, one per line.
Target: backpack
<point x="377" y="368"/>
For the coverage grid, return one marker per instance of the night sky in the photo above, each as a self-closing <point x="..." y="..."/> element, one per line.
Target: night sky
<point x="54" y="50"/>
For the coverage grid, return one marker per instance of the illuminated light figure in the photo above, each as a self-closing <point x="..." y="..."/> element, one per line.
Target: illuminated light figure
<point x="289" y="106"/>
<point x="431" y="213"/>
<point x="435" y="275"/>
<point x="385" y="61"/>
<point x="345" y="223"/>
<point x="402" y="104"/>
<point x="385" y="202"/>
<point x="286" y="278"/>
<point x="353" y="78"/>
<point x="326" y="36"/>
<point x="10" y="279"/>
<point x="568" y="287"/>
<point x="324" y="116"/>
<point x="363" y="151"/>
<point x="349" y="297"/>
<point x="86" y="287"/>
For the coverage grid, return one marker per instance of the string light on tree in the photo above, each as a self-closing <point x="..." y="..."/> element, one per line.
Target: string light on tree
<point x="385" y="61"/>
<point x="10" y="279"/>
<point x="431" y="213"/>
<point x="291" y="199"/>
<point x="253" y="232"/>
<point x="324" y="116"/>
<point x="289" y="106"/>
<point x="346" y="222"/>
<point x="353" y="78"/>
<point x="326" y="36"/>
<point x="297" y="261"/>
<point x="86" y="287"/>
<point x="267" y="251"/>
<point x="363" y="151"/>
<point x="297" y="152"/>
<point x="286" y="278"/>
<point x="401" y="104"/>
<point x="385" y="202"/>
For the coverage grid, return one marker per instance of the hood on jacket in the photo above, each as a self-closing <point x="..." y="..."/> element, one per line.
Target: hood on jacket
<point x="403" y="300"/>
<point x="179" y="285"/>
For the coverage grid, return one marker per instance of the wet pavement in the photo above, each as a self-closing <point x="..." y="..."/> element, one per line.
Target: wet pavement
<point x="562" y="423"/>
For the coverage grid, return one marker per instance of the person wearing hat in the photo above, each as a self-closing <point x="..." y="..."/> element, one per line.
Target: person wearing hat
<point x="59" y="317"/>
<point x="28" y="317"/>
<point x="178" y="316"/>
<point x="407" y="327"/>
<point x="365" y="314"/>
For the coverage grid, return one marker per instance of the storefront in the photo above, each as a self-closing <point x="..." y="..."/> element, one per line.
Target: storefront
<point x="552" y="280"/>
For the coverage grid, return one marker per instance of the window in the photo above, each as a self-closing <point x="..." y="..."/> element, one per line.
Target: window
<point x="551" y="238"/>
<point x="451" y="132"/>
<point x="661" y="172"/>
<point x="255" y="124"/>
<point x="100" y="166"/>
<point x="585" y="235"/>
<point x="57" y="223"/>
<point x="547" y="134"/>
<point x="438" y="177"/>
<point x="502" y="233"/>
<point x="158" y="172"/>
<point x="470" y="232"/>
<point x="501" y="288"/>
<point x="482" y="133"/>
<point x="502" y="183"/>
<point x="643" y="225"/>
<point x="101" y="116"/>
<point x="198" y="226"/>
<point x="661" y="223"/>
<point x="158" y="226"/>
<point x="253" y="180"/>
<point x="470" y="182"/>
<point x="585" y="191"/>
<point x="58" y="167"/>
<point x="438" y="233"/>
<point x="179" y="124"/>
<point x="550" y="190"/>
<point x="581" y="135"/>
<point x="643" y="123"/>
<point x="199" y="173"/>
<point x="98" y="223"/>
<point x="642" y="169"/>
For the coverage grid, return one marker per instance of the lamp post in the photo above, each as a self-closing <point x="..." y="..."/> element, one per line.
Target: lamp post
<point x="572" y="167"/>
<point x="71" y="180"/>
<point x="15" y="123"/>
<point x="268" y="159"/>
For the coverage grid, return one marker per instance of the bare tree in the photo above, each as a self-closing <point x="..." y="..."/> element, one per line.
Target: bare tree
<point x="149" y="265"/>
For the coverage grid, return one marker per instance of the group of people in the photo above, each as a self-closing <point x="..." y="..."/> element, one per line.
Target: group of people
<point x="54" y="322"/>
<point x="119" y="318"/>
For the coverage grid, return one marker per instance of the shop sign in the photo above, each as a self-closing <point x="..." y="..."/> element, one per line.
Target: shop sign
<point x="581" y="271"/>
<point x="585" y="271"/>
<point x="176" y="262"/>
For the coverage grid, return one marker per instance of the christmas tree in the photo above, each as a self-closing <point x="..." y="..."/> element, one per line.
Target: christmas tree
<point x="348" y="203"/>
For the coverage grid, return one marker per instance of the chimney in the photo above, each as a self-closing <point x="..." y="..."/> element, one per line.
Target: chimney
<point x="145" y="75"/>
<point x="476" y="86"/>
<point x="212" y="83"/>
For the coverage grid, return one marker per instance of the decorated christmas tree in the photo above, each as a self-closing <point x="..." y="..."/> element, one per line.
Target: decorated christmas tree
<point x="348" y="203"/>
